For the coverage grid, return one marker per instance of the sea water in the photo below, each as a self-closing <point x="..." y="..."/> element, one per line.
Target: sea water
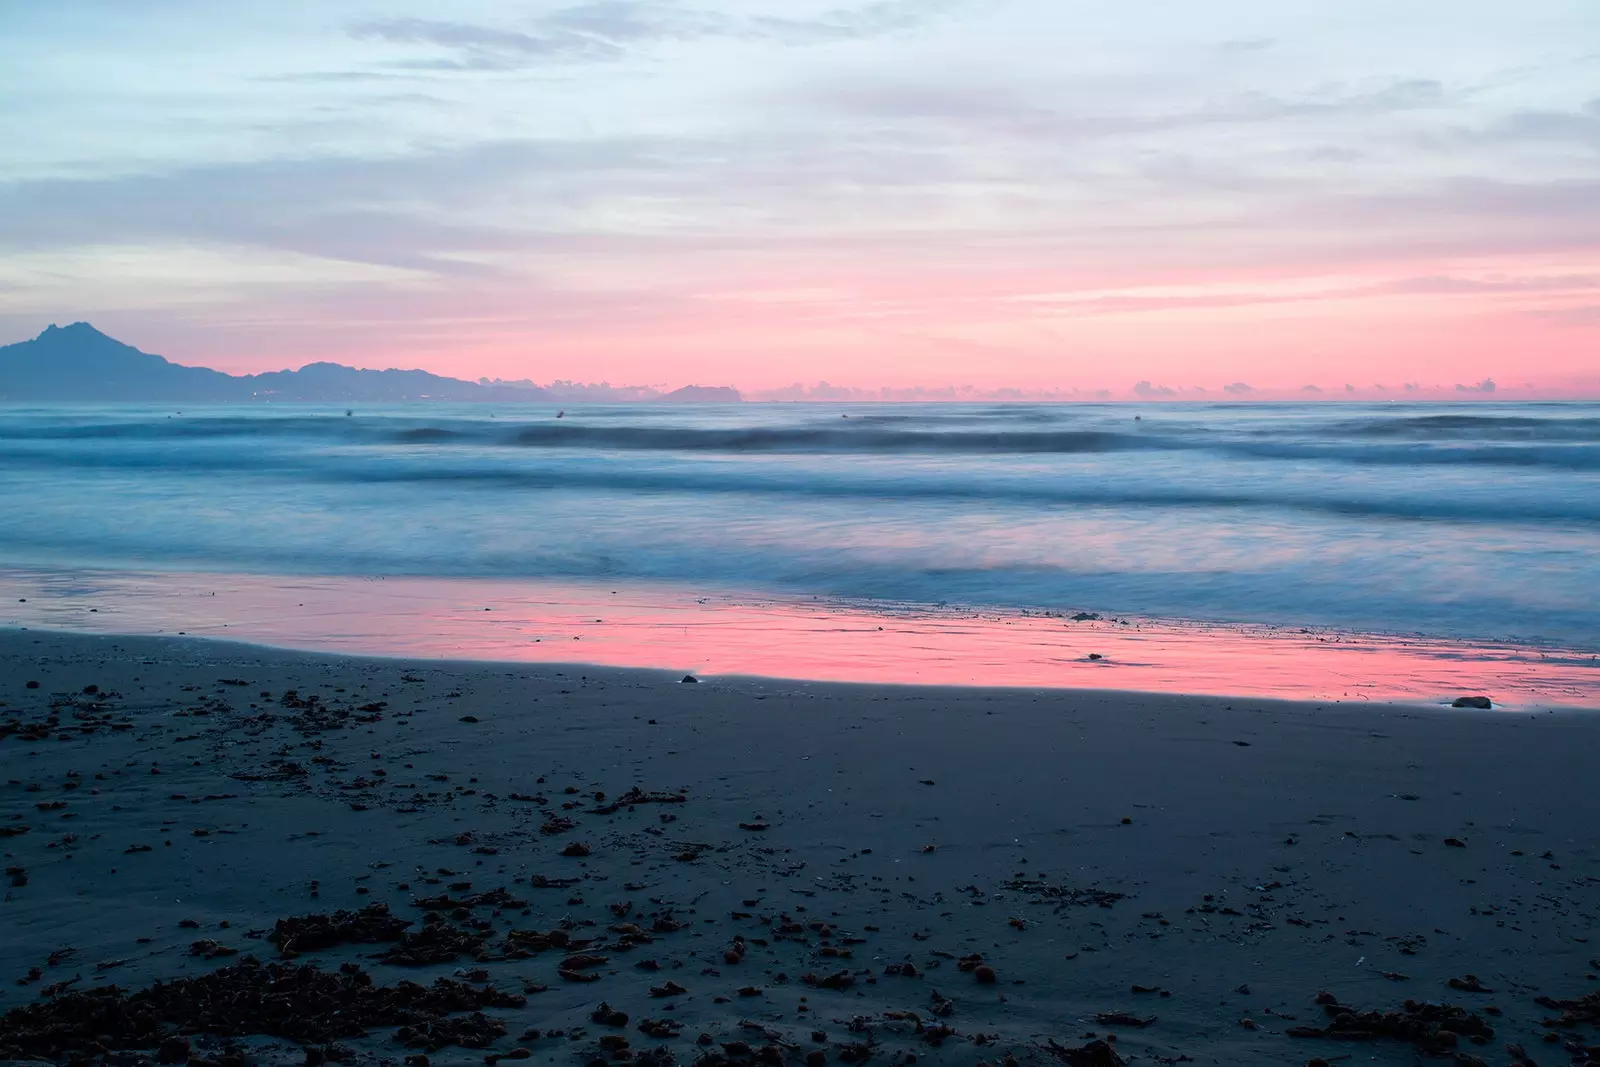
<point x="1474" y="522"/>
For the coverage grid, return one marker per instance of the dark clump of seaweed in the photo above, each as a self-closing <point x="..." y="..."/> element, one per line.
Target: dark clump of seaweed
<point x="298" y="1002"/>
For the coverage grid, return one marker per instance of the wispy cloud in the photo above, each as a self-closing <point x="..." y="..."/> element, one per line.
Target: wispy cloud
<point x="472" y="47"/>
<point x="1446" y="285"/>
<point x="1238" y="45"/>
<point x="1585" y="315"/>
<point x="605" y="30"/>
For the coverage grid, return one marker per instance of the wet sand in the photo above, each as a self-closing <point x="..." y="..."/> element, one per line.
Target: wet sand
<point x="1182" y="874"/>
<point x="653" y="625"/>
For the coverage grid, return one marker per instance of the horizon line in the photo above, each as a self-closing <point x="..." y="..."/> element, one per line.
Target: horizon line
<point x="1486" y="390"/>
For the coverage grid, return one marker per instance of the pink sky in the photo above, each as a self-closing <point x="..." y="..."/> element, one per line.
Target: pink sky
<point x="1031" y="195"/>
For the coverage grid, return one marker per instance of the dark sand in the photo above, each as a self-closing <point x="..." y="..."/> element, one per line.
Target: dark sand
<point x="1233" y="857"/>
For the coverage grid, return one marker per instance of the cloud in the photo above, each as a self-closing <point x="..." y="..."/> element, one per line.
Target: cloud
<point x="1238" y="388"/>
<point x="330" y="77"/>
<point x="1485" y="386"/>
<point x="879" y="19"/>
<point x="1246" y="44"/>
<point x="1445" y="285"/>
<point x="483" y="47"/>
<point x="604" y="30"/>
<point x="992" y="110"/>
<point x="1145" y="389"/>
<point x="1542" y="126"/>
<point x="1311" y="389"/>
<point x="1587" y="315"/>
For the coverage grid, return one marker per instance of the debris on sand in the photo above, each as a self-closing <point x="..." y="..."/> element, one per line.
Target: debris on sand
<point x="1585" y="1009"/>
<point x="436" y="942"/>
<point x="1435" y="1029"/>
<point x="1094" y="1054"/>
<point x="1469" y="984"/>
<point x="297" y="1002"/>
<point x="1048" y="893"/>
<point x="520" y="944"/>
<point x="638" y="796"/>
<point x="494" y="898"/>
<point x="539" y="881"/>
<point x="311" y="933"/>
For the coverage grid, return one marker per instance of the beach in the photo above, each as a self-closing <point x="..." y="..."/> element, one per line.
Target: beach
<point x="743" y="868"/>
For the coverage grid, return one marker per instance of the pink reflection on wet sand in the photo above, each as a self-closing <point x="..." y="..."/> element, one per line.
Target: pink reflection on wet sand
<point x="663" y="626"/>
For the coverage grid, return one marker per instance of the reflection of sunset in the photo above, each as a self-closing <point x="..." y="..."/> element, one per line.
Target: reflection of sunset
<point x="672" y="628"/>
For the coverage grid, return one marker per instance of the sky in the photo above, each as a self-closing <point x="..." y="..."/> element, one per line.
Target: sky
<point x="1147" y="197"/>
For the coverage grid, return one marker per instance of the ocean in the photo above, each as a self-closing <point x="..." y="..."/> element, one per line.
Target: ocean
<point x="1474" y="523"/>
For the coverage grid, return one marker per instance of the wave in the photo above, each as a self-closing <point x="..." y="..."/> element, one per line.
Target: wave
<point x="1504" y="427"/>
<point x="1462" y="504"/>
<point x="1569" y="444"/>
<point x="807" y="439"/>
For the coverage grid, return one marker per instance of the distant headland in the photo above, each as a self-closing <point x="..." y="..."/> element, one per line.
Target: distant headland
<point x="79" y="363"/>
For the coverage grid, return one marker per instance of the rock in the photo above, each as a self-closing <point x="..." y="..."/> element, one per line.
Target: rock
<point x="690" y="679"/>
<point x="1480" y="702"/>
<point x="606" y="1015"/>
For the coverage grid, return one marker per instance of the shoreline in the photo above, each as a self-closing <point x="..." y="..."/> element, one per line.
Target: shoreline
<point x="1184" y="873"/>
<point x="660" y="626"/>
<point x="247" y="651"/>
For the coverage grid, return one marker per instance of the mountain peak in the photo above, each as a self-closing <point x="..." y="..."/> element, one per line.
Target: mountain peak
<point x="77" y="333"/>
<point x="79" y="329"/>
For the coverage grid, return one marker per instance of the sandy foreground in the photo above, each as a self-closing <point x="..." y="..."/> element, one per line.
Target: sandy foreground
<point x="803" y="873"/>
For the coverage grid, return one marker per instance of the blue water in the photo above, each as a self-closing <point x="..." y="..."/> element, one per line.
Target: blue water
<point x="1479" y="521"/>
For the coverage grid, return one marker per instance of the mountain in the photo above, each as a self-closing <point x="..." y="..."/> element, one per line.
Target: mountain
<point x="704" y="394"/>
<point x="336" y="383"/>
<point x="80" y="363"/>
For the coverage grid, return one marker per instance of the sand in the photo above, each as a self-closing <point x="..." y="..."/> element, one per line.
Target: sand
<point x="1183" y="874"/>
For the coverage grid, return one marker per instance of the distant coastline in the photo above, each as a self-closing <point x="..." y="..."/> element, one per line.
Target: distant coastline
<point x="79" y="363"/>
